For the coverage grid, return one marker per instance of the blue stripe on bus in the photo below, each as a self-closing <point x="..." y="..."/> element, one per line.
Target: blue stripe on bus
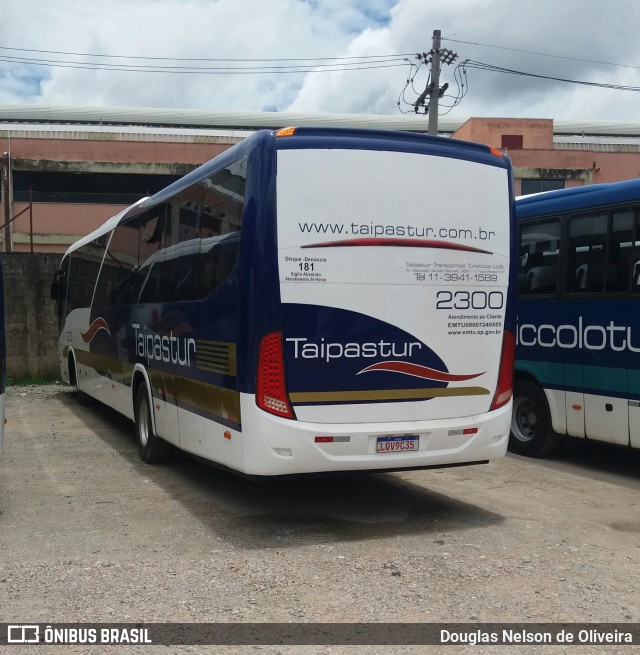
<point x="597" y="380"/>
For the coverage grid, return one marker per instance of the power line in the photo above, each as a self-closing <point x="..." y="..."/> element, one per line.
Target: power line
<point x="352" y="59"/>
<point x="207" y="70"/>
<point x="470" y="63"/>
<point x="541" y="54"/>
<point x="335" y="64"/>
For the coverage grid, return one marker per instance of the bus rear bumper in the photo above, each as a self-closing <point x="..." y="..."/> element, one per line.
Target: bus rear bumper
<point x="276" y="446"/>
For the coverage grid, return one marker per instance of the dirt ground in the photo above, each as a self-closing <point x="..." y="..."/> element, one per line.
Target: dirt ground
<point x="88" y="533"/>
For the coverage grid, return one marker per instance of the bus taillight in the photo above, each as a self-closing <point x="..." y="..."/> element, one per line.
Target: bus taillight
<point x="505" y="376"/>
<point x="271" y="391"/>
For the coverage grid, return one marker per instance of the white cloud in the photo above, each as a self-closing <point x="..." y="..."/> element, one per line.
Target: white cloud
<point x="242" y="29"/>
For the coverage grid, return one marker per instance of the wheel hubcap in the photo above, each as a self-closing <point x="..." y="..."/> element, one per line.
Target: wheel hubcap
<point x="525" y="419"/>
<point x="143" y="423"/>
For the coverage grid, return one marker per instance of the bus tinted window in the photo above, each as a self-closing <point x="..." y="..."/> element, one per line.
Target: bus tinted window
<point x="114" y="284"/>
<point x="176" y="271"/>
<point x="224" y="193"/>
<point x="621" y="250"/>
<point x="154" y="234"/>
<point x="84" y="267"/>
<point x="217" y="260"/>
<point x="59" y="290"/>
<point x="588" y="268"/>
<point x="539" y="252"/>
<point x="224" y="200"/>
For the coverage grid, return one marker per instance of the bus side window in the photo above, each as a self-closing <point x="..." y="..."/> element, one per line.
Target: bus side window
<point x="587" y="247"/>
<point x="120" y="259"/>
<point x="62" y="282"/>
<point x="223" y="207"/>
<point x="621" y="250"/>
<point x="594" y="274"/>
<point x="165" y="274"/>
<point x="601" y="252"/>
<point x="635" y="277"/>
<point x="84" y="266"/>
<point x="539" y="252"/>
<point x="216" y="263"/>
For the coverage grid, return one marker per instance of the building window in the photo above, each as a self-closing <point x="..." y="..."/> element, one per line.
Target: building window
<point x="537" y="185"/>
<point x="87" y="188"/>
<point x="512" y="142"/>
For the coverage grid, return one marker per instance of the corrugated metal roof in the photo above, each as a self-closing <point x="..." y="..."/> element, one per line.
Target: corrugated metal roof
<point x="243" y="120"/>
<point x="196" y="118"/>
<point x="82" y="131"/>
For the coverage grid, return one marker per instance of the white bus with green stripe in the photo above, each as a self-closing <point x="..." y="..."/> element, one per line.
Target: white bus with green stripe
<point x="578" y="335"/>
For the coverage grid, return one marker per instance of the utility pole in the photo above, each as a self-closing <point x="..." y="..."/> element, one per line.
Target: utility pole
<point x="435" y="83"/>
<point x="6" y="205"/>
<point x="434" y="91"/>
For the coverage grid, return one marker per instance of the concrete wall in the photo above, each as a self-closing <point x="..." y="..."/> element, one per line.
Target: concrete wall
<point x="30" y="319"/>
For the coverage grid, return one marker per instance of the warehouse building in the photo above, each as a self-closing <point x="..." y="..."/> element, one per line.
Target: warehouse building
<point x="67" y="169"/>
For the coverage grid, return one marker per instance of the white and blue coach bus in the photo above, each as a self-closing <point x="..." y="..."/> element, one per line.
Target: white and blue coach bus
<point x="310" y="300"/>
<point x="578" y="338"/>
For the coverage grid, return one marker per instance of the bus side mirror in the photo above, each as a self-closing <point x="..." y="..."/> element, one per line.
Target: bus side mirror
<point x="55" y="290"/>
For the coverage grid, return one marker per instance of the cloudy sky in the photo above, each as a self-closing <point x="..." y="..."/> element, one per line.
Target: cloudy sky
<point x="329" y="56"/>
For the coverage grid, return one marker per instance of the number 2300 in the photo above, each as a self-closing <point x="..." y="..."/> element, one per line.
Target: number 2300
<point x="469" y="300"/>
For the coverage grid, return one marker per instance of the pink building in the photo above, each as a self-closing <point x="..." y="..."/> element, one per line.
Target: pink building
<point x="545" y="160"/>
<point x="69" y="169"/>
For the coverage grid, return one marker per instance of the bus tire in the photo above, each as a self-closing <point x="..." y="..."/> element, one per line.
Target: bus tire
<point x="152" y="449"/>
<point x="82" y="397"/>
<point x="531" y="432"/>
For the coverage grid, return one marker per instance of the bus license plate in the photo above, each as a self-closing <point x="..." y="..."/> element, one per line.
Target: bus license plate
<point x="397" y="443"/>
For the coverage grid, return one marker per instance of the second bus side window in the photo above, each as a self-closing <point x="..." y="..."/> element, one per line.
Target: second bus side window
<point x="539" y="253"/>
<point x="601" y="252"/>
<point x="223" y="206"/>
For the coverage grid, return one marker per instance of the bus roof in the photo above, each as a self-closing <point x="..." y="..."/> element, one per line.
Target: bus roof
<point x="310" y="137"/>
<point x="338" y="137"/>
<point x="577" y="198"/>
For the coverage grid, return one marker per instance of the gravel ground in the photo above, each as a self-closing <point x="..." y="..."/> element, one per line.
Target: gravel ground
<point x="90" y="533"/>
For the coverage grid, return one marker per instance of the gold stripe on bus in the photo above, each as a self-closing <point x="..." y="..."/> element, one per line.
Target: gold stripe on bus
<point x="214" y="352"/>
<point x="212" y="368"/>
<point x="213" y="359"/>
<point x="109" y="367"/>
<point x="386" y="394"/>
<point x="208" y="398"/>
<point x="216" y="355"/>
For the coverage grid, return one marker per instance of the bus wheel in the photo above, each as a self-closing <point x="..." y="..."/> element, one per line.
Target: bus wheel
<point x="531" y="432"/>
<point x="152" y="448"/>
<point x="82" y="397"/>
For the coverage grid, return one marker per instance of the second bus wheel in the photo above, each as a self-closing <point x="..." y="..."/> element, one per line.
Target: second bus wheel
<point x="152" y="448"/>
<point x="531" y="431"/>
